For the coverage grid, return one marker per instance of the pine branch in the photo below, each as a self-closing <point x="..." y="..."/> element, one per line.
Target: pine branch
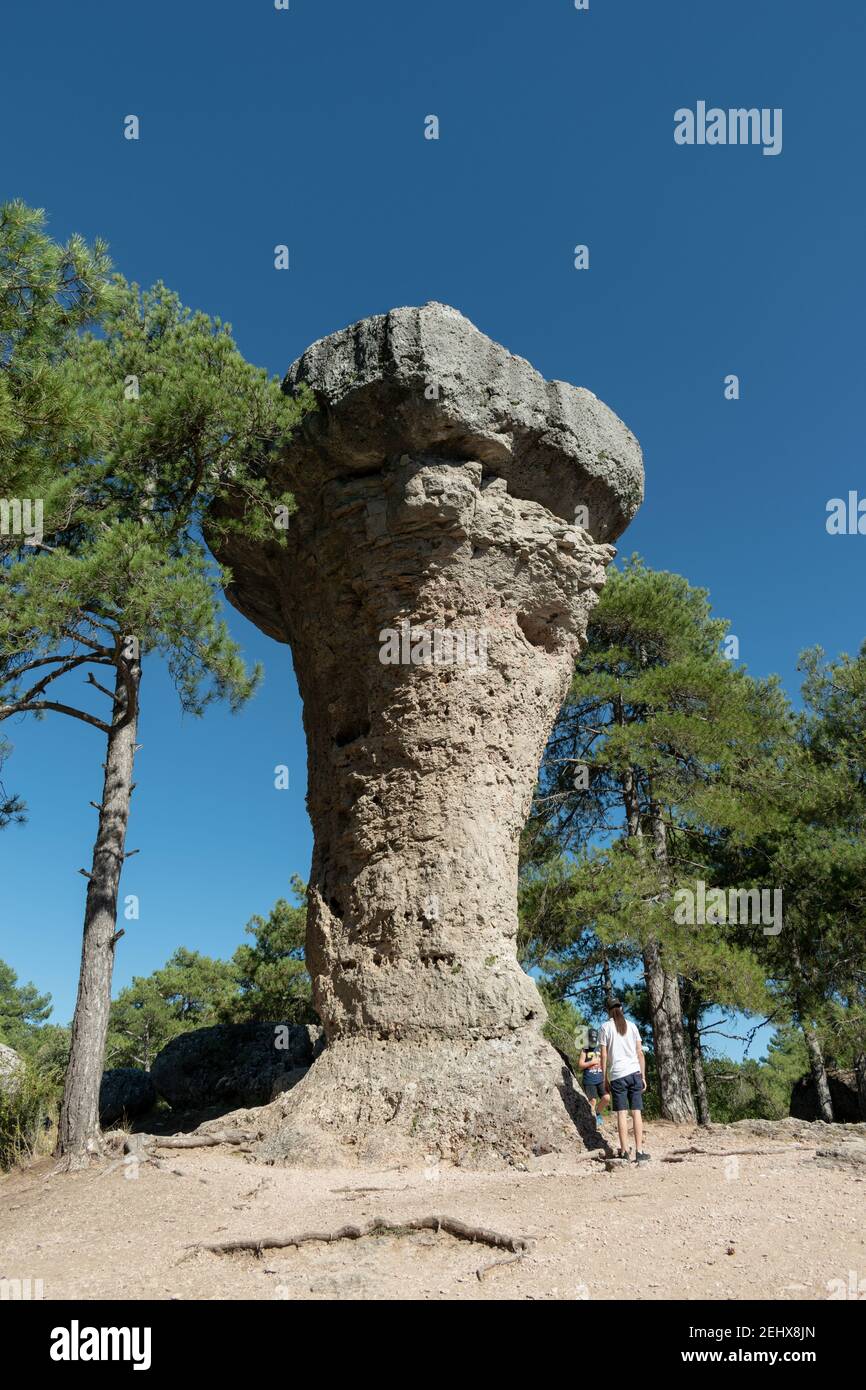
<point x="22" y="707"/>
<point x="105" y="691"/>
<point x="62" y="670"/>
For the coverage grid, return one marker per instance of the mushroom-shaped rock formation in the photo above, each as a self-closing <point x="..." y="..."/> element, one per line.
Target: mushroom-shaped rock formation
<point x="451" y="539"/>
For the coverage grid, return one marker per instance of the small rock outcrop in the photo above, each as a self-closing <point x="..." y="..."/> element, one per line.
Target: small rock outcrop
<point x="455" y="513"/>
<point x="125" y="1092"/>
<point x="234" y="1064"/>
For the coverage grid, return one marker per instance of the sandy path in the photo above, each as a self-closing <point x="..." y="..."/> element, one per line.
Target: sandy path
<point x="661" y="1231"/>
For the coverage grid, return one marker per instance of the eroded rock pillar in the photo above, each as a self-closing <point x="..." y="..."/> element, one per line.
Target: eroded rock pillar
<point x="435" y="590"/>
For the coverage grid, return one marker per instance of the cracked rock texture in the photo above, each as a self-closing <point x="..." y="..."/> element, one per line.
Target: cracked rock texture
<point x="435" y="590"/>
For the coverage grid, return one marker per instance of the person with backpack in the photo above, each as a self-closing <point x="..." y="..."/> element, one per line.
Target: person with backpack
<point x="624" y="1067"/>
<point x="593" y="1077"/>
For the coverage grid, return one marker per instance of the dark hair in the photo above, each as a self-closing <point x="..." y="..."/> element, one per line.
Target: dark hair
<point x="592" y="1035"/>
<point x="614" y="1008"/>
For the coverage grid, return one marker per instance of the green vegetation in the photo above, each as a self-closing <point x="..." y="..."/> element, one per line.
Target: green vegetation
<point x="265" y="981"/>
<point x="669" y="767"/>
<point x="127" y="436"/>
<point x="671" y="775"/>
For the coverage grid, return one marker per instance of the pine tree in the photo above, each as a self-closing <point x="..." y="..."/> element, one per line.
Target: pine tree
<point x="190" y="991"/>
<point x="47" y="293"/>
<point x="815" y="852"/>
<point x="272" y="979"/>
<point x="173" y="417"/>
<point x="12" y="808"/>
<point x="22" y="1008"/>
<point x="658" y="747"/>
<point x="266" y="982"/>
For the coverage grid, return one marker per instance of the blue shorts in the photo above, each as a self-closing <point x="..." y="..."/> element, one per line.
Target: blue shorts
<point x="627" y="1092"/>
<point x="593" y="1084"/>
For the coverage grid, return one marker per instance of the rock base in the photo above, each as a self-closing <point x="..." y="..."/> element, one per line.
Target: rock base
<point x="484" y="1104"/>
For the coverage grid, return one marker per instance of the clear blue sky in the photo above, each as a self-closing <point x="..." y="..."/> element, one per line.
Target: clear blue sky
<point x="306" y="127"/>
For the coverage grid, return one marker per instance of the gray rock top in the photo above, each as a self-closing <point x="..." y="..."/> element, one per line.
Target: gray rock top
<point x="427" y="381"/>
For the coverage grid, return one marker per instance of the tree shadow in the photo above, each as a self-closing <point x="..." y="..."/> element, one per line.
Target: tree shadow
<point x="579" y="1109"/>
<point x="163" y="1120"/>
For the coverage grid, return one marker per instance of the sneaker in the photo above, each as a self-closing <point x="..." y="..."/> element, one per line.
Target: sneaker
<point x="641" y="1157"/>
<point x="622" y="1153"/>
<point x="599" y="1122"/>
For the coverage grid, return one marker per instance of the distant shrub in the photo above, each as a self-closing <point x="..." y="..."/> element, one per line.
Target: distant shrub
<point x="28" y="1112"/>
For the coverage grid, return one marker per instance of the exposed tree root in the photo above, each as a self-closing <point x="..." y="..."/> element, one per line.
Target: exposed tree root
<point x="359" y="1189"/>
<point x="678" y="1155"/>
<point x="75" y="1162"/>
<point x="143" y="1143"/>
<point x="482" y="1272"/>
<point x="449" y="1224"/>
<point x="204" y="1141"/>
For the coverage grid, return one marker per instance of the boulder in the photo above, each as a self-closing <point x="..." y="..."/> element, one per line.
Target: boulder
<point x="234" y="1064"/>
<point x="843" y="1094"/>
<point x="849" y="1157"/>
<point x="125" y="1092"/>
<point x="11" y="1068"/>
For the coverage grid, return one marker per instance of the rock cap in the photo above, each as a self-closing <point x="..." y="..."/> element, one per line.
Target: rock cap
<point x="428" y="382"/>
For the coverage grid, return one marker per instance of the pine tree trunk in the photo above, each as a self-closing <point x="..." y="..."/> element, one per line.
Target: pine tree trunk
<point x="669" y="1041"/>
<point x="630" y="799"/>
<point x="704" y="1117"/>
<point x="819" y="1072"/>
<point x="674" y="1080"/>
<point x="663" y="991"/>
<point x="666" y="1007"/>
<point x="810" y="1033"/>
<point x="605" y="973"/>
<point x="80" y="1135"/>
<point x="860" y="1073"/>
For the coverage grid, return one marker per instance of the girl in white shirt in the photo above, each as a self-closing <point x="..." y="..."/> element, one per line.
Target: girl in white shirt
<point x="624" y="1064"/>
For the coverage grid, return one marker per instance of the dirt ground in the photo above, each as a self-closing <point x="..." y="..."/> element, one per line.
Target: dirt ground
<point x="771" y="1223"/>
